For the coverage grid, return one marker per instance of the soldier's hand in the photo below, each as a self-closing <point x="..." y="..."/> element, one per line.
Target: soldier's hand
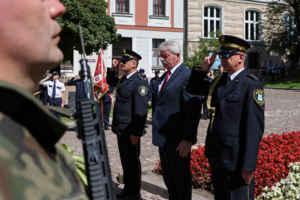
<point x="208" y="62"/>
<point x="62" y="105"/>
<point x="49" y="76"/>
<point x="76" y="76"/>
<point x="247" y="176"/>
<point x="134" y="139"/>
<point x="149" y="103"/>
<point x="184" y="148"/>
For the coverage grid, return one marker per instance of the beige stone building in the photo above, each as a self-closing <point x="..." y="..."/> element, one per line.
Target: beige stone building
<point x="232" y="17"/>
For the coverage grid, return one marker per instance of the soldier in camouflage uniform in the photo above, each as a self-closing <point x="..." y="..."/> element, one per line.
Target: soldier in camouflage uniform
<point x="33" y="164"/>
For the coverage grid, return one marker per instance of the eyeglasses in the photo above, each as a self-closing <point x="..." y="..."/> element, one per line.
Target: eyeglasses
<point x="227" y="55"/>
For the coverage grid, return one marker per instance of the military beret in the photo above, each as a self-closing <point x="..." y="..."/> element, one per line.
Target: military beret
<point x="231" y="43"/>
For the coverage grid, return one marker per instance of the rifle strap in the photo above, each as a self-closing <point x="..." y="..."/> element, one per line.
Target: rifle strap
<point x="212" y="110"/>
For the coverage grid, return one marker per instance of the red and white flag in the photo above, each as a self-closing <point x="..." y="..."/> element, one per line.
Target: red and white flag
<point x="100" y="84"/>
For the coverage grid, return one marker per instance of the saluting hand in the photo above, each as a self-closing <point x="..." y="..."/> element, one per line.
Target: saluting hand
<point x="247" y="176"/>
<point x="134" y="139"/>
<point x="115" y="63"/>
<point x="49" y="76"/>
<point x="184" y="148"/>
<point x="76" y="76"/>
<point x="208" y="62"/>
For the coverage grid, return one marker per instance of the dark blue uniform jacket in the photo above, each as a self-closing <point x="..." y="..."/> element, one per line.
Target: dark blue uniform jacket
<point x="238" y="124"/>
<point x="177" y="113"/>
<point x="80" y="94"/>
<point x="131" y="106"/>
<point x="106" y="96"/>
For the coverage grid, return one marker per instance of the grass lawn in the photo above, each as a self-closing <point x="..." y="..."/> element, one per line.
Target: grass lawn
<point x="294" y="83"/>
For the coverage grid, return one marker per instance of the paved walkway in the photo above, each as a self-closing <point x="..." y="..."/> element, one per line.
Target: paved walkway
<point x="282" y="114"/>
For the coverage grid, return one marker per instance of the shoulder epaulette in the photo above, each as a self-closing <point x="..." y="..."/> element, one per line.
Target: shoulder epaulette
<point x="253" y="77"/>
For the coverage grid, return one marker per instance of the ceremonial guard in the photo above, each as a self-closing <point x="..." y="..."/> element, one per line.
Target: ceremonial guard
<point x="236" y="105"/>
<point x="129" y="117"/>
<point x="153" y="86"/>
<point x="77" y="81"/>
<point x="56" y="90"/>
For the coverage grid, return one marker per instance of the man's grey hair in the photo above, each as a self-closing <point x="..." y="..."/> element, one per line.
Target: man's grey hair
<point x="171" y="45"/>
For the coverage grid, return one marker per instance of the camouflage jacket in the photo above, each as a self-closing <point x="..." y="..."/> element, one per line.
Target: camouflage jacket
<point x="33" y="165"/>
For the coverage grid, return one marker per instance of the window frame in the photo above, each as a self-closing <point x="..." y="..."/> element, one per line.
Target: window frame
<point x="158" y="8"/>
<point x="214" y="19"/>
<point x="122" y="6"/>
<point x="260" y="15"/>
<point x="157" y="50"/>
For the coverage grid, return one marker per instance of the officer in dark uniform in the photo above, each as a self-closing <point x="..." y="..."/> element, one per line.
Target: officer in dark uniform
<point x="77" y="81"/>
<point x="153" y="87"/>
<point x="130" y="113"/>
<point x="204" y="98"/>
<point x="107" y="106"/>
<point x="236" y="103"/>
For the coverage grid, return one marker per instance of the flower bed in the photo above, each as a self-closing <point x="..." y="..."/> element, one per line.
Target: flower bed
<point x="275" y="154"/>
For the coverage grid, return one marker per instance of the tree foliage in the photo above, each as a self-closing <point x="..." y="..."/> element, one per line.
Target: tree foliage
<point x="98" y="28"/>
<point x="281" y="29"/>
<point x="196" y="54"/>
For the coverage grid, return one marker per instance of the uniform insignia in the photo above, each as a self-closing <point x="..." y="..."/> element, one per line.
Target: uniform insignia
<point x="124" y="50"/>
<point x="259" y="96"/>
<point x="143" y="90"/>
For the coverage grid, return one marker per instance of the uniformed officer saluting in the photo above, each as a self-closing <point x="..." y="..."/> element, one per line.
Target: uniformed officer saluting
<point x="56" y="90"/>
<point x="236" y="103"/>
<point x="129" y="118"/>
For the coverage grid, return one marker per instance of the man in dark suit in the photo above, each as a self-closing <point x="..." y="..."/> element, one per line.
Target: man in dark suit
<point x="107" y="106"/>
<point x="80" y="94"/>
<point x="175" y="122"/>
<point x="153" y="86"/>
<point x="236" y="103"/>
<point x="129" y="118"/>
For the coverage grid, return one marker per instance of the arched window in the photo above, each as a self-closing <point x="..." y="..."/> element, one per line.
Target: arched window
<point x="212" y="20"/>
<point x="252" y="26"/>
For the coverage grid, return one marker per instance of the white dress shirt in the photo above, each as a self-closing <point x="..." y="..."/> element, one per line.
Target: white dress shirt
<point x="60" y="87"/>
<point x="172" y="71"/>
<point x="235" y="74"/>
<point x="129" y="75"/>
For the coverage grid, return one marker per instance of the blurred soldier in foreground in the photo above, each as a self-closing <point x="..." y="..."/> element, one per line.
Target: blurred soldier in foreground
<point x="236" y="103"/>
<point x="129" y="118"/>
<point x="33" y="165"/>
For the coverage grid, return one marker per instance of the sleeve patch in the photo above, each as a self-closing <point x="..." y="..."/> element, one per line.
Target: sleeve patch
<point x="143" y="90"/>
<point x="259" y="96"/>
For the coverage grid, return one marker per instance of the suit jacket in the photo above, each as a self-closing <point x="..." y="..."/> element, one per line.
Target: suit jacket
<point x="177" y="113"/>
<point x="131" y="106"/>
<point x="80" y="94"/>
<point x="238" y="124"/>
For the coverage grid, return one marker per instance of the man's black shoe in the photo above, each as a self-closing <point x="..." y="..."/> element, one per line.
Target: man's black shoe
<point x="106" y="127"/>
<point x="133" y="197"/>
<point x="205" y="116"/>
<point x="122" y="194"/>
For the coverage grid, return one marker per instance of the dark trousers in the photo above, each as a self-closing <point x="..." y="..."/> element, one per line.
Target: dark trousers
<point x="130" y="159"/>
<point x="45" y="100"/>
<point x="273" y="76"/>
<point x="230" y="185"/>
<point x="176" y="173"/>
<point x="282" y="73"/>
<point x="106" y="111"/>
<point x="55" y="102"/>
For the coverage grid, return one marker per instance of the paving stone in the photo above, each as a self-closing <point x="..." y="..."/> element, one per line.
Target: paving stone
<point x="282" y="114"/>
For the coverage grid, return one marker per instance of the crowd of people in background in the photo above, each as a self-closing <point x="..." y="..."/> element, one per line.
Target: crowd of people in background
<point x="270" y="70"/>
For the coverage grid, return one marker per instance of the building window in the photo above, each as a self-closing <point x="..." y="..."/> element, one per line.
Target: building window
<point x="212" y="20"/>
<point x="155" y="52"/>
<point x="252" y="27"/>
<point x="159" y="7"/>
<point x="124" y="43"/>
<point x="122" y="6"/>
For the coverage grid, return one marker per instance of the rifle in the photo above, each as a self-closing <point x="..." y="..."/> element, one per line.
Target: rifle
<point x="90" y="130"/>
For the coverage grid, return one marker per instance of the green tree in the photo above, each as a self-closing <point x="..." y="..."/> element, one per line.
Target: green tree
<point x="281" y="30"/>
<point x="196" y="54"/>
<point x="98" y="28"/>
